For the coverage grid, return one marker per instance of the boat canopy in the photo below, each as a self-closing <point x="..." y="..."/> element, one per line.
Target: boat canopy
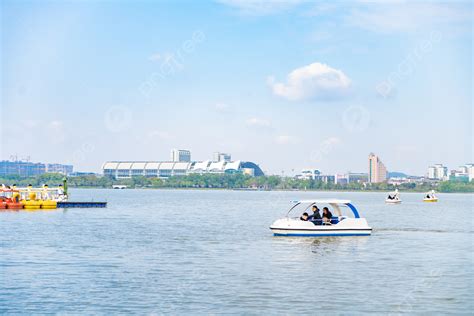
<point x="333" y="202"/>
<point x="324" y="201"/>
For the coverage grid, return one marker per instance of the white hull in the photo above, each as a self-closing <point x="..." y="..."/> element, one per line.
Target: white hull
<point x="296" y="227"/>
<point x="321" y="233"/>
<point x="388" y="201"/>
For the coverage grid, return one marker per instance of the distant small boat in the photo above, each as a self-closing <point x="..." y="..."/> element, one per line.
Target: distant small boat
<point x="119" y="186"/>
<point x="393" y="198"/>
<point x="430" y="197"/>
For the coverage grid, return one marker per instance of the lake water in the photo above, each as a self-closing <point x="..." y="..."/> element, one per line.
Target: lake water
<point x="202" y="252"/>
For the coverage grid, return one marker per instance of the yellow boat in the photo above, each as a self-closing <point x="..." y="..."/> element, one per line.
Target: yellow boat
<point x="430" y="197"/>
<point x="49" y="204"/>
<point x="31" y="204"/>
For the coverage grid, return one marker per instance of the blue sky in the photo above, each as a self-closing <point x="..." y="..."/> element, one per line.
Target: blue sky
<point x="289" y="84"/>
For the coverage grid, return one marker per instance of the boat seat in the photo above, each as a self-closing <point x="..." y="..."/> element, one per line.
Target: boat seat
<point x="334" y="220"/>
<point x="317" y="222"/>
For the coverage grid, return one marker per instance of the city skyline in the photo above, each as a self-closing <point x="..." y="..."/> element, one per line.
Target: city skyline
<point x="184" y="155"/>
<point x="323" y="91"/>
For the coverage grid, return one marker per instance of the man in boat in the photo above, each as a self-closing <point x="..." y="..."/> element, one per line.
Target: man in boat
<point x="304" y="217"/>
<point x="327" y="215"/>
<point x="315" y="216"/>
<point x="45" y="193"/>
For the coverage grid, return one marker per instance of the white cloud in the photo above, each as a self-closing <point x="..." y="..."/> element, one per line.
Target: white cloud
<point x="258" y="122"/>
<point x="222" y="107"/>
<point x="261" y="7"/>
<point x="56" y="125"/>
<point x="314" y="81"/>
<point x="285" y="140"/>
<point x="331" y="141"/>
<point x="401" y="16"/>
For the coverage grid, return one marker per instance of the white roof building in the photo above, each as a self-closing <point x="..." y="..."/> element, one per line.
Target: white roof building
<point x="165" y="169"/>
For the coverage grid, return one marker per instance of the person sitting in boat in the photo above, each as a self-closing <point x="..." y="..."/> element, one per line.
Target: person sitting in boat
<point x="304" y="217"/>
<point x="45" y="193"/>
<point x="327" y="215"/>
<point x="315" y="216"/>
<point x="16" y="197"/>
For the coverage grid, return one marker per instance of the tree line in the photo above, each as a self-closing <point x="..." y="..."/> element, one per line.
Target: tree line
<point x="229" y="181"/>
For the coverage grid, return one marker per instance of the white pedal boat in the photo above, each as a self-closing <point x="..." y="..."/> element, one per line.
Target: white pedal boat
<point x="340" y="225"/>
<point x="393" y="198"/>
<point x="430" y="197"/>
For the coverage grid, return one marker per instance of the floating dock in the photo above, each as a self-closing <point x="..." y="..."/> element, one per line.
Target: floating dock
<point x="82" y="204"/>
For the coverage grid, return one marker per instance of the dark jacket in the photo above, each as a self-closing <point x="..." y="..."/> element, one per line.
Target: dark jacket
<point x="314" y="216"/>
<point x="328" y="215"/>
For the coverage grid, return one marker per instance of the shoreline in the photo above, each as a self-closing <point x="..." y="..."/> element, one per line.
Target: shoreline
<point x="257" y="190"/>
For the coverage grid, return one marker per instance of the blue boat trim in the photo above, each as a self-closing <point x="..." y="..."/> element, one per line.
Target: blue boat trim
<point x="353" y="209"/>
<point x="317" y="235"/>
<point x="321" y="230"/>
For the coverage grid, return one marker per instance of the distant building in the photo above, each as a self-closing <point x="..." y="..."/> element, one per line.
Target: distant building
<point x="315" y="174"/>
<point x="438" y="172"/>
<point x="470" y="171"/>
<point x="326" y="178"/>
<point x="340" y="178"/>
<point x="377" y="170"/>
<point x="59" y="168"/>
<point x="463" y="173"/>
<point x="82" y="174"/>
<point x="309" y="174"/>
<point x="166" y="169"/>
<point x="29" y="169"/>
<point x="248" y="171"/>
<point x="218" y="156"/>
<point x="357" y="177"/>
<point x="180" y="155"/>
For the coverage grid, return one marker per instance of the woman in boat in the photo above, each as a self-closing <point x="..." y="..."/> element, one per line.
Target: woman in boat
<point x="327" y="215"/>
<point x="315" y="215"/>
<point x="304" y="217"/>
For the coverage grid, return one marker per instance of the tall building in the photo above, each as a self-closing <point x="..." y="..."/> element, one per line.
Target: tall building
<point x="470" y="171"/>
<point x="218" y="156"/>
<point x="180" y="155"/>
<point x="438" y="172"/>
<point x="377" y="170"/>
<point x="465" y="172"/>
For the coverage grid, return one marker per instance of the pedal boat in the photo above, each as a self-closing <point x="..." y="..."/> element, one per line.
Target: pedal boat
<point x="430" y="197"/>
<point x="393" y="198"/>
<point x="10" y="199"/>
<point x="340" y="225"/>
